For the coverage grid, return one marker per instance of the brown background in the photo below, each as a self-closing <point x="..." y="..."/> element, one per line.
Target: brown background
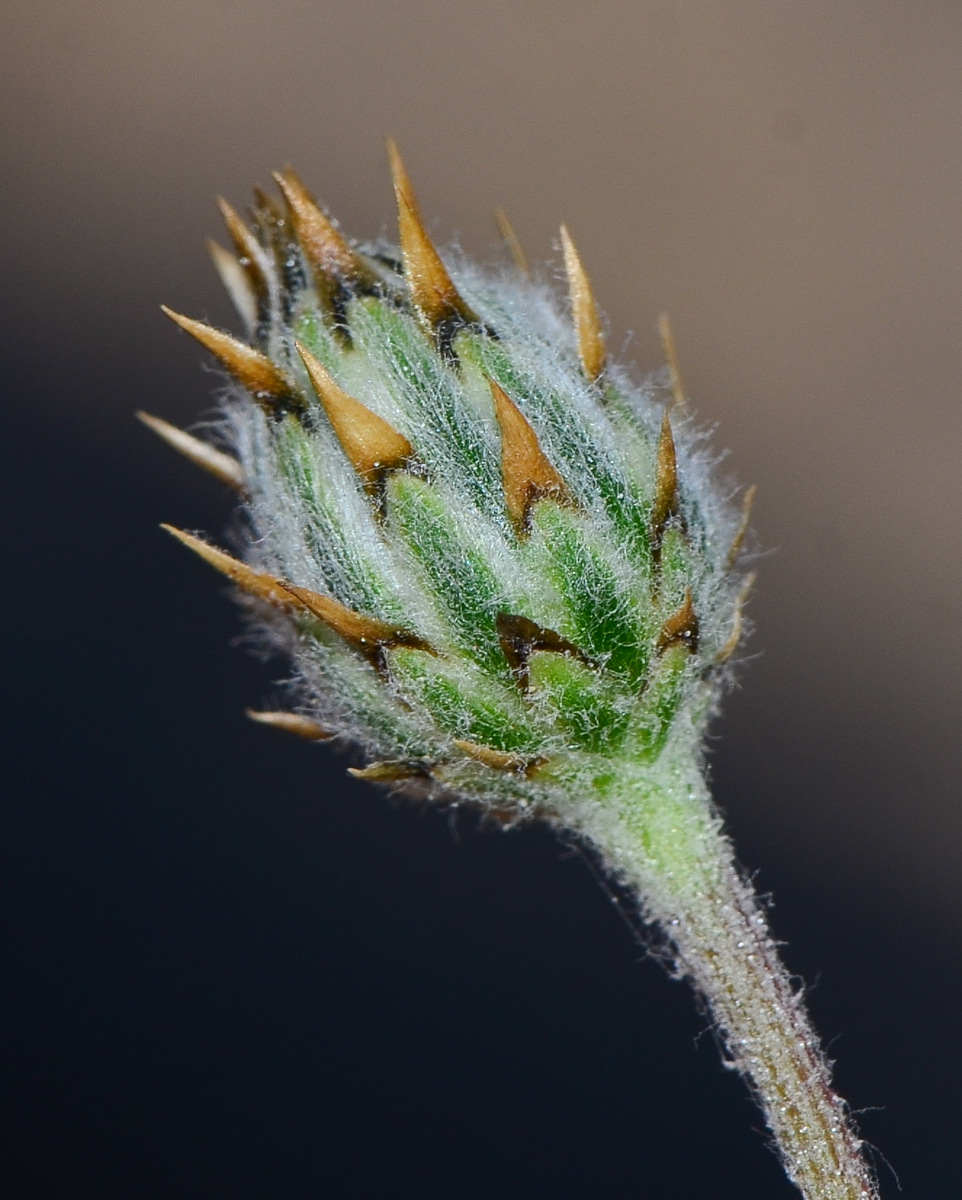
<point x="785" y="179"/>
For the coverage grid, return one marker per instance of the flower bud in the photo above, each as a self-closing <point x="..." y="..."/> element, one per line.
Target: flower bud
<point x="490" y="554"/>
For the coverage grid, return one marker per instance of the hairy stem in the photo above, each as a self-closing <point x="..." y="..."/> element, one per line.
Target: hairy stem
<point x="665" y="841"/>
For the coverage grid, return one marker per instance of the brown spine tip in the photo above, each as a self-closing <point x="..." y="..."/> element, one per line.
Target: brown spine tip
<point x="584" y="311"/>
<point x="742" y="528"/>
<point x="396" y="770"/>
<point x="671" y="359"/>
<point x="731" y="642"/>
<point x="526" y="474"/>
<point x="250" y="254"/>
<point x="510" y="239"/>
<point x="681" y="628"/>
<point x="328" y="254"/>
<point x="372" y="446"/>
<point x="367" y="634"/>
<point x="666" y="482"/>
<point x="237" y="284"/>
<point x="267" y="209"/>
<point x="222" y="466"/>
<point x="255" y="371"/>
<point x="295" y="723"/>
<point x="520" y="637"/>
<point x="275" y="236"/>
<point x="433" y="294"/>
<point x="499" y="760"/>
<point x="255" y="583"/>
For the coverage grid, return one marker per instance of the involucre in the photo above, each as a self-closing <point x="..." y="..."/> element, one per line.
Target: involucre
<point x="508" y="574"/>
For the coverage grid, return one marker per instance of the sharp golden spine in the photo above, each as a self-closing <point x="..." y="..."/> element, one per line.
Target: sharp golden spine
<point x="510" y="239"/>
<point x="250" y="254"/>
<point x="498" y="760"/>
<point x="367" y="634"/>
<point x="237" y="284"/>
<point x="526" y="473"/>
<point x="267" y="383"/>
<point x="733" y="639"/>
<point x="372" y="446"/>
<point x="681" y="628"/>
<point x="584" y="311"/>
<point x="291" y="722"/>
<point x="739" y="538"/>
<point x="433" y="294"/>
<point x="666" y="481"/>
<point x="327" y="252"/>
<point x="222" y="466"/>
<point x="258" y="584"/>
<point x="392" y="771"/>
<point x="671" y="359"/>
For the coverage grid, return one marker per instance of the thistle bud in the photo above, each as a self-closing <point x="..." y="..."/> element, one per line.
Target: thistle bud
<point x="504" y="572"/>
<point x="447" y="452"/>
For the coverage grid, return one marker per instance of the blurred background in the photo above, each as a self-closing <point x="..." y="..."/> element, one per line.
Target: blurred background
<point x="230" y="971"/>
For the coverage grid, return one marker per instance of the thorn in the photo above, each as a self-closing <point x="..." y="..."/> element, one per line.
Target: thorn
<point x="395" y="770"/>
<point x="222" y="466"/>
<point x="731" y="642"/>
<point x="366" y="634"/>
<point x="681" y="628"/>
<point x="295" y="723"/>
<point x="435" y="297"/>
<point x="742" y="528"/>
<point x="266" y="383"/>
<point x="498" y="760"/>
<point x="666" y="482"/>
<point x="249" y="252"/>
<point x="255" y="583"/>
<point x="526" y="474"/>
<point x="372" y="446"/>
<point x="519" y="638"/>
<point x="267" y="209"/>
<point x="324" y="248"/>
<point x="671" y="359"/>
<point x="584" y="311"/>
<point x="510" y="239"/>
<point x="237" y="284"/>
<point x="276" y="240"/>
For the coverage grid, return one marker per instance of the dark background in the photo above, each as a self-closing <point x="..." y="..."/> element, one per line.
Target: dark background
<point x="229" y="971"/>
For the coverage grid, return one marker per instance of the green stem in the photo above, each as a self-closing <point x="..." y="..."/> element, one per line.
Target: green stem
<point x="662" y="837"/>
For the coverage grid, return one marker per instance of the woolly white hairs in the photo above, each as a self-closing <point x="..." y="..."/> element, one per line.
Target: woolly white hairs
<point x="510" y="576"/>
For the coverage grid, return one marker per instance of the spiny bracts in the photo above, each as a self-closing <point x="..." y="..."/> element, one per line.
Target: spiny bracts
<point x="496" y="562"/>
<point x="505" y="571"/>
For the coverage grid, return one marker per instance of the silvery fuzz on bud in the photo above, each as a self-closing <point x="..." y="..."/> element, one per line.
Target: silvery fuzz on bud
<point x="508" y="574"/>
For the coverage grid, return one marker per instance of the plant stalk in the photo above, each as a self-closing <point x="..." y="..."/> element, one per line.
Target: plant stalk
<point x="664" y="840"/>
